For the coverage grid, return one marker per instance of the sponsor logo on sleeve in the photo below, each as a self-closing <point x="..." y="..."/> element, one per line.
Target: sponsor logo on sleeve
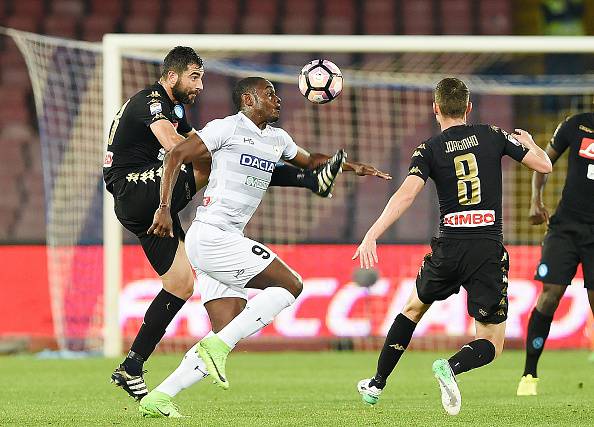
<point x="155" y="108"/>
<point x="257" y="163"/>
<point x="587" y="148"/>
<point x="476" y="218"/>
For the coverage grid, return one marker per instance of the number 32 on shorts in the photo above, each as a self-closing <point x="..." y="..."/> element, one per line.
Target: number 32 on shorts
<point x="260" y="251"/>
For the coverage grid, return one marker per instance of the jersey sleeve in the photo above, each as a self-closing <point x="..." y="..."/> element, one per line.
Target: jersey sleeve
<point x="562" y="136"/>
<point x="511" y="146"/>
<point x="290" y="150"/>
<point x="215" y="133"/>
<point x="154" y="110"/>
<point x="420" y="162"/>
<point x="183" y="126"/>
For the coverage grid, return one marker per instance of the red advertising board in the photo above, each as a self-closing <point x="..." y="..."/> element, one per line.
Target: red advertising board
<point x="331" y="305"/>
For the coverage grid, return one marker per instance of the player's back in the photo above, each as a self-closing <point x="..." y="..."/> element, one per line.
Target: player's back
<point x="465" y="163"/>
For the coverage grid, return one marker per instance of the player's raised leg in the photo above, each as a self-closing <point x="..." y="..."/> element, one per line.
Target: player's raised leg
<point x="539" y="326"/>
<point x="192" y="369"/>
<point x="178" y="285"/>
<point x="396" y="342"/>
<point x="280" y="286"/>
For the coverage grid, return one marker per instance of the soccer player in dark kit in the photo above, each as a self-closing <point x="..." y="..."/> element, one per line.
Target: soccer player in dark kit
<point x="464" y="161"/>
<point x="146" y="127"/>
<point x="569" y="239"/>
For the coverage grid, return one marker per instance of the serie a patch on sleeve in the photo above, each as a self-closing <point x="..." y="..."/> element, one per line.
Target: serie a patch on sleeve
<point x="155" y="108"/>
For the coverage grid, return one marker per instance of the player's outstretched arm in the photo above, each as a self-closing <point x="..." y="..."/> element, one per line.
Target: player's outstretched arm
<point x="307" y="160"/>
<point x="536" y="158"/>
<point x="538" y="211"/>
<point x="192" y="149"/>
<point x="363" y="169"/>
<point x="396" y="206"/>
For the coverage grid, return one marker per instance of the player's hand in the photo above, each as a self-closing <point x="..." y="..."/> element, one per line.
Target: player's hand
<point x="538" y="213"/>
<point x="523" y="137"/>
<point x="367" y="253"/>
<point x="162" y="224"/>
<point x="362" y="169"/>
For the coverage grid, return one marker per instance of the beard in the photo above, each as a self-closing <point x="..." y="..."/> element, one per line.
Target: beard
<point x="182" y="95"/>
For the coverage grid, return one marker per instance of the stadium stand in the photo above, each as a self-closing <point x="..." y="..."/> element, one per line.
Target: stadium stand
<point x="90" y="19"/>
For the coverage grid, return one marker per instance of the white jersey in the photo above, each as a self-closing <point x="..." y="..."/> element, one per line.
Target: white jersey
<point x="243" y="159"/>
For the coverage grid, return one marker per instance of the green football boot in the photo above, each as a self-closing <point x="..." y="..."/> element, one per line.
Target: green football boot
<point x="213" y="351"/>
<point x="158" y="405"/>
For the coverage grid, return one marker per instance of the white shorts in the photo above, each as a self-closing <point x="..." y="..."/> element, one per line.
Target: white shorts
<point x="228" y="258"/>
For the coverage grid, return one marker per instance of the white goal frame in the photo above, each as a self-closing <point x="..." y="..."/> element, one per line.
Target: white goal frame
<point x="115" y="45"/>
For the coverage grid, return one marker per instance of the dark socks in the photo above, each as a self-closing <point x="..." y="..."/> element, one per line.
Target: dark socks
<point x="539" y="326"/>
<point x="289" y="176"/>
<point x="158" y="316"/>
<point x="472" y="355"/>
<point x="396" y="342"/>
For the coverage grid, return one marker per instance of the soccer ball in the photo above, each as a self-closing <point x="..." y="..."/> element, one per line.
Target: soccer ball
<point x="320" y="81"/>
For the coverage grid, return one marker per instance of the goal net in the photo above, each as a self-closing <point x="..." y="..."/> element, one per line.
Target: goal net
<point x="382" y="114"/>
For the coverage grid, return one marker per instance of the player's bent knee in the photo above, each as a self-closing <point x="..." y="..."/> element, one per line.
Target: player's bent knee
<point x="295" y="284"/>
<point x="498" y="344"/>
<point x="180" y="285"/>
<point x="549" y="299"/>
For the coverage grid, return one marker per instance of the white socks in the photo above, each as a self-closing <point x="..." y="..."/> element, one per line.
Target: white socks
<point x="191" y="370"/>
<point x="258" y="312"/>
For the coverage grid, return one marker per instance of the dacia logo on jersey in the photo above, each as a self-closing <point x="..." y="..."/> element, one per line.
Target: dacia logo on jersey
<point x="258" y="163"/>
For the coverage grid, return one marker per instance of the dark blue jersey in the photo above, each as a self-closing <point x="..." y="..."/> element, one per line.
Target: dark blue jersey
<point x="131" y="142"/>
<point x="576" y="133"/>
<point x="465" y="164"/>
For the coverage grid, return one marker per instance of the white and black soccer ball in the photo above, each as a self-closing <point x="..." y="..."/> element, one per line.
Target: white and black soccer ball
<point x="320" y="81"/>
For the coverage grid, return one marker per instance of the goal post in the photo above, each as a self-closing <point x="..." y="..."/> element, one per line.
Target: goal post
<point x="100" y="289"/>
<point x="116" y="45"/>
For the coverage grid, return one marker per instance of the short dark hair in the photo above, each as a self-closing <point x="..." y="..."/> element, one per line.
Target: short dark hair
<point x="246" y="85"/>
<point x="179" y="58"/>
<point x="452" y="95"/>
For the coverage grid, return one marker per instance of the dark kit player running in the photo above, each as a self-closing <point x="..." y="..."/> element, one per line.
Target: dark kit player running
<point x="464" y="161"/>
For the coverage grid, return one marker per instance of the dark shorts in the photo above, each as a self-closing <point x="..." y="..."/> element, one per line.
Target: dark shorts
<point x="136" y="198"/>
<point x="565" y="245"/>
<point x="478" y="265"/>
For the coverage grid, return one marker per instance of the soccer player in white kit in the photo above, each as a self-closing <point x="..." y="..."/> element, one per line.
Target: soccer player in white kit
<point x="244" y="150"/>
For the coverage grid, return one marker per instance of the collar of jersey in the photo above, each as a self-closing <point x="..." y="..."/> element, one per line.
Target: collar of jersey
<point x="161" y="89"/>
<point x="251" y="124"/>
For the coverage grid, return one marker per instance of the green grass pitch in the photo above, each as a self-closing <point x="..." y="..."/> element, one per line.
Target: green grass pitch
<point x="302" y="389"/>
